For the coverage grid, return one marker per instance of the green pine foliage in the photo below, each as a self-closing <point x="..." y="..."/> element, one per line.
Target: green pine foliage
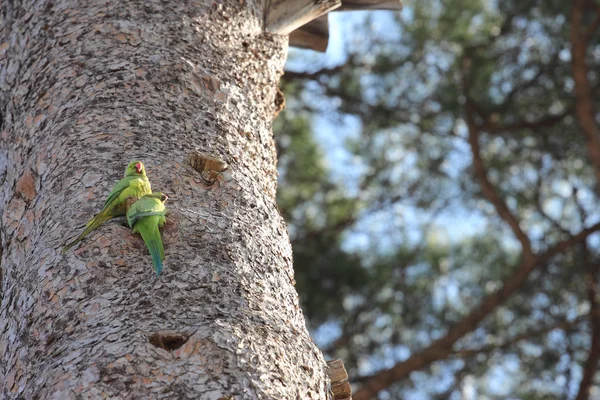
<point x="395" y="241"/>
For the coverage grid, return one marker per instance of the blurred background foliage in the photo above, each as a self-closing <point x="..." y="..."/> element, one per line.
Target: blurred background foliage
<point x="437" y="176"/>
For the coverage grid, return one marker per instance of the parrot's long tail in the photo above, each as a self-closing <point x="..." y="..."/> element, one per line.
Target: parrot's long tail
<point x="151" y="237"/>
<point x="95" y="222"/>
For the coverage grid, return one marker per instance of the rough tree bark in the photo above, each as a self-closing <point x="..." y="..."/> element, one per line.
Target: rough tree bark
<point x="86" y="87"/>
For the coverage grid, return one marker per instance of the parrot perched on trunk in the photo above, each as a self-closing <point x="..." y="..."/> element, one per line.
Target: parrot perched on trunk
<point x="134" y="184"/>
<point x="145" y="216"/>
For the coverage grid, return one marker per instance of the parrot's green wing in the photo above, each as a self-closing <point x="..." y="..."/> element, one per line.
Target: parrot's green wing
<point x="134" y="186"/>
<point x="145" y="216"/>
<point x="118" y="189"/>
<point x="131" y="220"/>
<point x="145" y="207"/>
<point x="130" y="186"/>
<point x="148" y="228"/>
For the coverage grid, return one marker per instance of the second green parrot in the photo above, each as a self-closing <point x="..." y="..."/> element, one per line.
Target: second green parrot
<point x="134" y="184"/>
<point x="145" y="216"/>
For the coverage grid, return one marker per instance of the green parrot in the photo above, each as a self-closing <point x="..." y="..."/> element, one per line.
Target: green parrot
<point x="145" y="216"/>
<point x="134" y="184"/>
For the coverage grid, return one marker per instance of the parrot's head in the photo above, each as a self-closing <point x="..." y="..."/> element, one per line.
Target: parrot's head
<point x="158" y="195"/>
<point x="135" y="168"/>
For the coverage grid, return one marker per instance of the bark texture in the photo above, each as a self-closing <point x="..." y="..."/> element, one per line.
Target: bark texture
<point x="86" y="87"/>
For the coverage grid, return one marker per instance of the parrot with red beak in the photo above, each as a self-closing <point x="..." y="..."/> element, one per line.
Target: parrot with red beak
<point x="134" y="185"/>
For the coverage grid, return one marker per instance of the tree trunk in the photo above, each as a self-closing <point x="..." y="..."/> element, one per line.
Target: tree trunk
<point x="86" y="87"/>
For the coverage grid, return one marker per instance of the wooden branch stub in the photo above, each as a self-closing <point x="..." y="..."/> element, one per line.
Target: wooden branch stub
<point x="314" y="35"/>
<point x="348" y="5"/>
<point x="206" y="162"/>
<point x="208" y="166"/>
<point x="341" y="391"/>
<point x="337" y="371"/>
<point x="339" y="380"/>
<point x="279" y="102"/>
<point x="285" y="16"/>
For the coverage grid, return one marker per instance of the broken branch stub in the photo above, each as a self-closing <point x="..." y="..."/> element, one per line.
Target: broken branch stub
<point x="314" y="35"/>
<point x="349" y="5"/>
<point x="285" y="16"/>
<point x="339" y="380"/>
<point x="208" y="166"/>
<point x="206" y="162"/>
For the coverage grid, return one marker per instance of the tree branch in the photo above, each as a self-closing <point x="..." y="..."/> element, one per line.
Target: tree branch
<point x="289" y="76"/>
<point x="517" y="338"/>
<point x="442" y="347"/>
<point x="591" y="364"/>
<point x="545" y="122"/>
<point x="352" y="5"/>
<point x="284" y="16"/>
<point x="537" y="201"/>
<point x="492" y="195"/>
<point x="584" y="102"/>
<point x="489" y="191"/>
<point x="314" y="35"/>
<point x="524" y="85"/>
<point x="587" y="35"/>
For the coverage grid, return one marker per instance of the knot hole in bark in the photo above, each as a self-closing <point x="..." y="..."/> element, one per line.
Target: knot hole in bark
<point x="168" y="340"/>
